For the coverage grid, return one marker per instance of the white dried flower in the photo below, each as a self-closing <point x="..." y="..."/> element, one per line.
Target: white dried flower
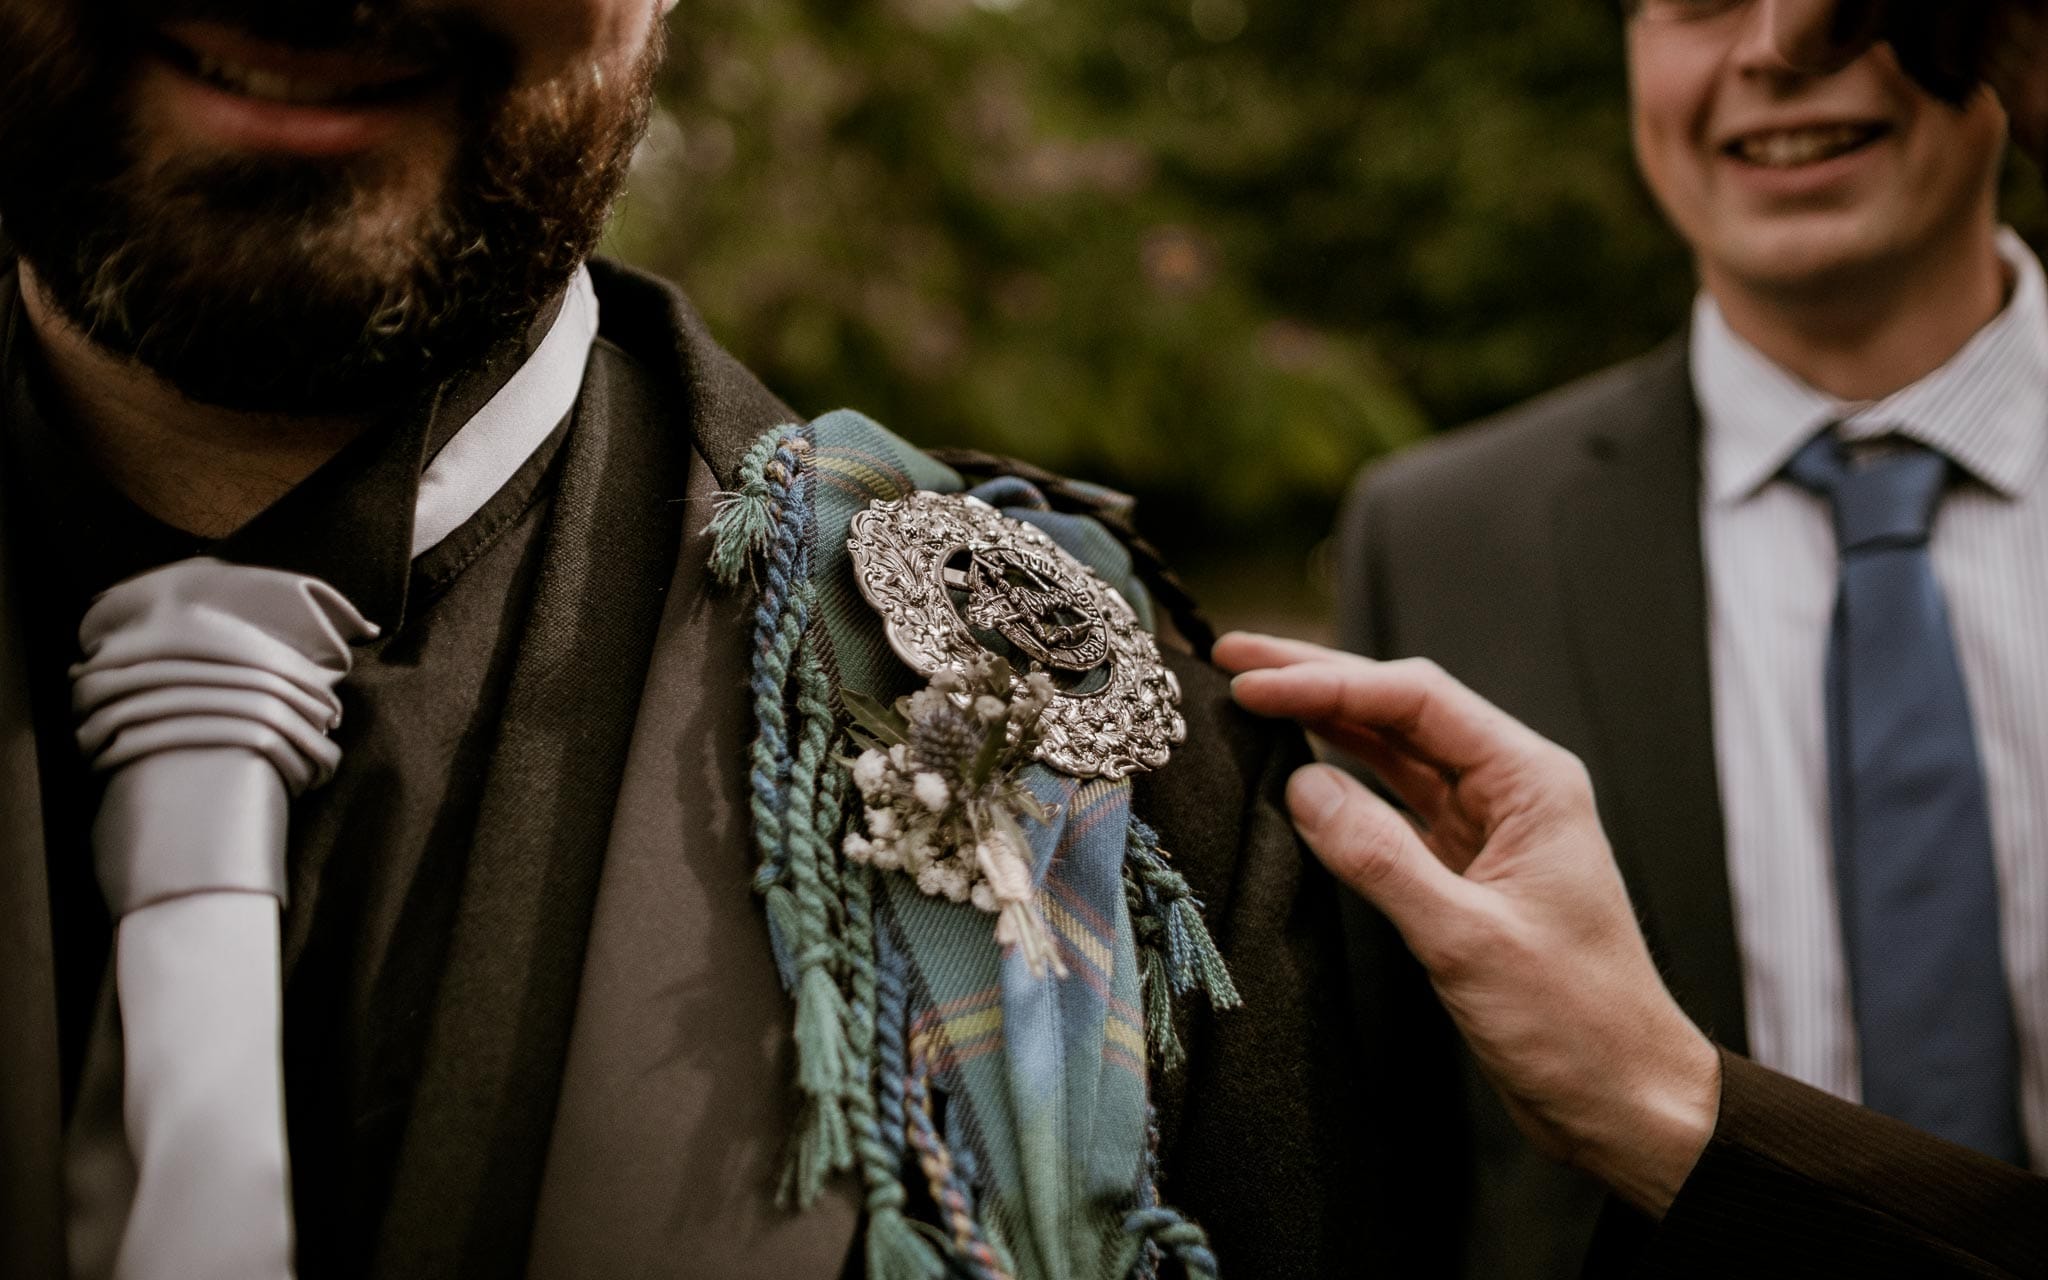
<point x="914" y="848"/>
<point x="984" y="896"/>
<point x="857" y="847"/>
<point x="885" y="855"/>
<point x="882" y="823"/>
<point x="899" y="758"/>
<point x="932" y="879"/>
<point x="957" y="883"/>
<point x="931" y="791"/>
<point x="870" y="772"/>
<point x="1008" y="875"/>
<point x="988" y="709"/>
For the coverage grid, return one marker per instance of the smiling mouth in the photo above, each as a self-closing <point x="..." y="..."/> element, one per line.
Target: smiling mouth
<point x="1793" y="148"/>
<point x="336" y="83"/>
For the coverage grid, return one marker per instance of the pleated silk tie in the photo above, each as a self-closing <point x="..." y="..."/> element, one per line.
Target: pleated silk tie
<point x="1912" y="826"/>
<point x="205" y="700"/>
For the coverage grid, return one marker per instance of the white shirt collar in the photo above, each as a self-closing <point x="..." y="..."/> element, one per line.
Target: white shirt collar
<point x="480" y="458"/>
<point x="1987" y="408"/>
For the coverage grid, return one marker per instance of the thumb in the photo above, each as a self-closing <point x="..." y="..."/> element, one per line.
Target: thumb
<point x="1374" y="850"/>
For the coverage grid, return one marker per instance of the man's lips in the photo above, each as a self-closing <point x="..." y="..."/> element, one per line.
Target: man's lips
<point x="272" y="72"/>
<point x="1796" y="146"/>
<point x="228" y="89"/>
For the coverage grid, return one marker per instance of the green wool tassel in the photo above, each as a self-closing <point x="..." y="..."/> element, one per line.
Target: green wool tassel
<point x="1193" y="957"/>
<point x="743" y="530"/>
<point x="821" y="1046"/>
<point x="1158" y="988"/>
<point x="784" y="919"/>
<point x="825" y="1068"/>
<point x="1175" y="952"/>
<point x="821" y="1147"/>
<point x="897" y="1252"/>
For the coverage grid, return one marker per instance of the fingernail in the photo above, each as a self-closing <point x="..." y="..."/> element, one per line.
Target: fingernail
<point x="1315" y="794"/>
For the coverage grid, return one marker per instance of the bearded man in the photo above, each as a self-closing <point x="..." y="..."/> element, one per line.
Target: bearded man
<point x="314" y="418"/>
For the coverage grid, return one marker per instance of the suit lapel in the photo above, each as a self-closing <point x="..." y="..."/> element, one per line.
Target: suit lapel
<point x="669" y="1091"/>
<point x="676" y="1099"/>
<point x="675" y="1102"/>
<point x="31" y="1209"/>
<point x="470" y="1163"/>
<point x="1627" y="521"/>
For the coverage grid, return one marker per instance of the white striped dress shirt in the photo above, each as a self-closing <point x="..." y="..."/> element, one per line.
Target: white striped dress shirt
<point x="1771" y="575"/>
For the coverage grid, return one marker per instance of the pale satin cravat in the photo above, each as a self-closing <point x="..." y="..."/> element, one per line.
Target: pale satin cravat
<point x="206" y="697"/>
<point x="205" y="700"/>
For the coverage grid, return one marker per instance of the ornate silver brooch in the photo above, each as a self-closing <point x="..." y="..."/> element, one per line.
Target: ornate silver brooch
<point x="956" y="581"/>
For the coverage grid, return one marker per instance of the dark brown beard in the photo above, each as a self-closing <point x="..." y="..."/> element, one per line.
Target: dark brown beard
<point x="260" y="284"/>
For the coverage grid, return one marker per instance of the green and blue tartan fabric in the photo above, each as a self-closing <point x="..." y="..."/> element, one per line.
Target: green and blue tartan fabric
<point x="1038" y="1162"/>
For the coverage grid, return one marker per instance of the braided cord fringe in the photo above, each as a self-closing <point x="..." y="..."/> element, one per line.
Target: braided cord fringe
<point x="947" y="1180"/>
<point x="760" y="528"/>
<point x="881" y="1002"/>
<point x="1168" y="1234"/>
<point x="821" y="911"/>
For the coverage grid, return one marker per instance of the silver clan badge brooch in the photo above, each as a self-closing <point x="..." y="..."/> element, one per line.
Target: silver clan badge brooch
<point x="955" y="579"/>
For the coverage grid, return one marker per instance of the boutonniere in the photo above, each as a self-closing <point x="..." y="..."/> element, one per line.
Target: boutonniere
<point x="940" y="778"/>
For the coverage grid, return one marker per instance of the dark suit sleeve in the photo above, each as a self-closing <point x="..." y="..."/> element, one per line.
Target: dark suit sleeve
<point x="1798" y="1183"/>
<point x="1301" y="1133"/>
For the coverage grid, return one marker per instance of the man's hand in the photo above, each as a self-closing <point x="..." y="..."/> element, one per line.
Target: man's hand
<point x="1504" y="887"/>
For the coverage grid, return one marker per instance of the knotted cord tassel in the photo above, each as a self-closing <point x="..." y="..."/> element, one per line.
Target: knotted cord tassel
<point x="1175" y="948"/>
<point x="743" y="528"/>
<point x="1178" y="1238"/>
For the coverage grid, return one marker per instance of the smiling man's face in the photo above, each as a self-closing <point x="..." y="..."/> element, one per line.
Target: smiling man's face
<point x="1788" y="181"/>
<point x="317" y="206"/>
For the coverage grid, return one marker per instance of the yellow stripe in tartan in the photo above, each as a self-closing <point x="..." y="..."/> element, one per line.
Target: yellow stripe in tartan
<point x="970" y="1026"/>
<point x="852" y="466"/>
<point x="1121" y="1032"/>
<point x="1079" y="934"/>
<point x="1091" y="794"/>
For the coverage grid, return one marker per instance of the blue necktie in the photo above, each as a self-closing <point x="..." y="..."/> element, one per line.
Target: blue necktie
<point x="1912" y="829"/>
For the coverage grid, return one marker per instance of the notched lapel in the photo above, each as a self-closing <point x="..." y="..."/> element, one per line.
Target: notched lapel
<point x="1629" y="541"/>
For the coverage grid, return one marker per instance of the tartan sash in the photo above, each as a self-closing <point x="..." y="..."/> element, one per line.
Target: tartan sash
<point x="1007" y="1110"/>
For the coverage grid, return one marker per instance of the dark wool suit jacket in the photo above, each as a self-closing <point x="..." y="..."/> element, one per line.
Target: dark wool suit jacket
<point x="1551" y="559"/>
<point x="606" y="1091"/>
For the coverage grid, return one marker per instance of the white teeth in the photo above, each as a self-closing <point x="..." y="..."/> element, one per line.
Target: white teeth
<point x="1793" y="147"/>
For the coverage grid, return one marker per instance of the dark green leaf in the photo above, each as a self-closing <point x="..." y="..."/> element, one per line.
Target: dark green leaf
<point x="870" y="714"/>
<point x="991" y="751"/>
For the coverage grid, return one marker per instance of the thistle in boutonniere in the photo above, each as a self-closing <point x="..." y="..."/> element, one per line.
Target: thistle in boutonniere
<point x="940" y="776"/>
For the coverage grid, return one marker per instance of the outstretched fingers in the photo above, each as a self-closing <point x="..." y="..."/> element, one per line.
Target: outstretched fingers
<point x="1251" y="651"/>
<point x="1412" y="702"/>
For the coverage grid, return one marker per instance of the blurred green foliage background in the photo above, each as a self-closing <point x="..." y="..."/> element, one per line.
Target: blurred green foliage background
<point x="1218" y="253"/>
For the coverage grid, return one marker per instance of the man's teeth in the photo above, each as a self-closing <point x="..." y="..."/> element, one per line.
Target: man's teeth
<point x="1792" y="147"/>
<point x="272" y="86"/>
